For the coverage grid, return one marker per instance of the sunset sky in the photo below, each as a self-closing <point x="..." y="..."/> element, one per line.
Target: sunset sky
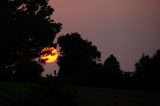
<point x="126" y="28"/>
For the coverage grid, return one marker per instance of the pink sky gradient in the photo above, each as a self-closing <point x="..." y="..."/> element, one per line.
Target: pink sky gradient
<point x="126" y="28"/>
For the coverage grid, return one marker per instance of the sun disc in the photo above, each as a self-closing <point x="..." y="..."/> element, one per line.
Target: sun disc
<point x="49" y="55"/>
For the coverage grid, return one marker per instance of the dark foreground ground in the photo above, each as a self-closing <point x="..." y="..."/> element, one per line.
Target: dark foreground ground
<point x="35" y="94"/>
<point x="114" y="97"/>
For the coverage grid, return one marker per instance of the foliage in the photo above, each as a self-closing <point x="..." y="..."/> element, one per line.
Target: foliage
<point x="143" y="68"/>
<point x="27" y="27"/>
<point x="77" y="56"/>
<point x="111" y="67"/>
<point x="148" y="71"/>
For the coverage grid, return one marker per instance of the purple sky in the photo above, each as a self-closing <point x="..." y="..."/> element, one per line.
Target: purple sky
<point x="126" y="28"/>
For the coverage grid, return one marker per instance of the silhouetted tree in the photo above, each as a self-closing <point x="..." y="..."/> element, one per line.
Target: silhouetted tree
<point x="111" y="70"/>
<point x="143" y="68"/>
<point x="148" y="71"/>
<point x="26" y="29"/>
<point x="78" y="57"/>
<point x="156" y="66"/>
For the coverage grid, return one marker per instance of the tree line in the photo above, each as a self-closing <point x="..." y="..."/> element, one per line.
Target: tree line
<point x="80" y="64"/>
<point x="27" y="28"/>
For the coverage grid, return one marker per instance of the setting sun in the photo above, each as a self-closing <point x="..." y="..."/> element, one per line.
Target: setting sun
<point x="49" y="54"/>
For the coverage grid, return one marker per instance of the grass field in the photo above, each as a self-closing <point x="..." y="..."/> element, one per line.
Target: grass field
<point x="113" y="97"/>
<point x="15" y="92"/>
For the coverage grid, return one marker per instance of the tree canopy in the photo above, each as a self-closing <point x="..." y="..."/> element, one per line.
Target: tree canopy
<point x="147" y="68"/>
<point x="76" y="55"/>
<point x="111" y="65"/>
<point x="111" y="70"/>
<point x="28" y="28"/>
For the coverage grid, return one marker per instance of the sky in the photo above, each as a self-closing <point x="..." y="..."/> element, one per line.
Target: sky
<point x="125" y="28"/>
